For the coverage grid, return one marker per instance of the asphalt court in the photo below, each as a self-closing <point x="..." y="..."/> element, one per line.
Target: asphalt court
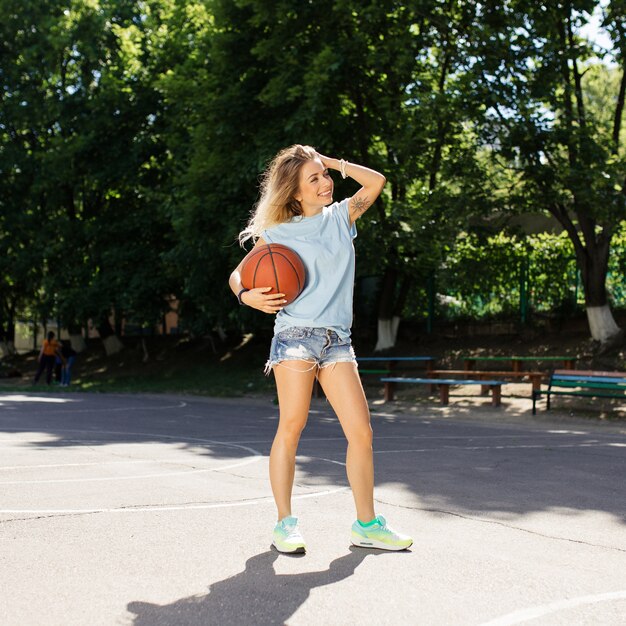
<point x="147" y="509"/>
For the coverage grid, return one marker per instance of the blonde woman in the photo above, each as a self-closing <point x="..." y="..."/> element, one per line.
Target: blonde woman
<point x="312" y="334"/>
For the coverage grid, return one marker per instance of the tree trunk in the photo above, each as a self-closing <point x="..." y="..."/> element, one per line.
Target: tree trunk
<point x="112" y="343"/>
<point x="7" y="334"/>
<point x="389" y="310"/>
<point x="387" y="333"/>
<point x="593" y="264"/>
<point x="144" y="348"/>
<point x="10" y="334"/>
<point x="387" y="326"/>
<point x="77" y="340"/>
<point x="602" y="325"/>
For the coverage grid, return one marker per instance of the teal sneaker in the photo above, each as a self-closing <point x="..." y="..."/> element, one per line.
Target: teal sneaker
<point x="379" y="535"/>
<point x="287" y="537"/>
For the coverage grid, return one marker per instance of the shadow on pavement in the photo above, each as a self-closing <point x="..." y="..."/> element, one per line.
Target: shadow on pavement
<point x="258" y="595"/>
<point x="443" y="463"/>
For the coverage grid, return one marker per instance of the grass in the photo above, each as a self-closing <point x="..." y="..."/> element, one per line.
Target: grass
<point x="180" y="365"/>
<point x="173" y="366"/>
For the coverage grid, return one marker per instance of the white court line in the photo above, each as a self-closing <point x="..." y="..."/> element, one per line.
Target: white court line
<point x="158" y="509"/>
<point x="254" y="459"/>
<point x="125" y="433"/>
<point x="180" y="405"/>
<point x="504" y="447"/>
<point x="128" y="462"/>
<point x="257" y="456"/>
<point x="405" y="437"/>
<point x="525" y="615"/>
<point x="302" y="439"/>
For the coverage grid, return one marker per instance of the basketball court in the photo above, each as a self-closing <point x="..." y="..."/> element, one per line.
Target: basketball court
<point x="145" y="509"/>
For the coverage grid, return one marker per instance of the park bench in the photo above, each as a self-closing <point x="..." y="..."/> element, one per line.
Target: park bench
<point x="535" y="378"/>
<point x="587" y="383"/>
<point x="469" y="362"/>
<point x="444" y="385"/>
<point x="389" y="365"/>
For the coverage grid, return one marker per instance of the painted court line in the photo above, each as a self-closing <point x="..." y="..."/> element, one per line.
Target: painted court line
<point x="257" y="456"/>
<point x="159" y="509"/>
<point x="504" y="447"/>
<point x="72" y="411"/>
<point x="95" y="463"/>
<point x="525" y="615"/>
<point x="254" y="459"/>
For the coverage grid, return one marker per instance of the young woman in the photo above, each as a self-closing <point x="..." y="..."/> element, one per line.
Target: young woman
<point x="312" y="334"/>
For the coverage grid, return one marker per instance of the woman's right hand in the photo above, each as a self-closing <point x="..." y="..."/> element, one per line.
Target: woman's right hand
<point x="259" y="299"/>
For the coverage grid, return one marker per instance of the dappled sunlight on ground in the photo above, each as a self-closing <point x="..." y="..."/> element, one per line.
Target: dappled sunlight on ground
<point x="5" y="398"/>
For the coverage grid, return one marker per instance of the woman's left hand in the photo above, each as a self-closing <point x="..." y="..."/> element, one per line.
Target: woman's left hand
<point x="329" y="162"/>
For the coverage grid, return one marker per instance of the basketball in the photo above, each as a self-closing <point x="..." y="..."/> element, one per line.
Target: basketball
<point x="276" y="266"/>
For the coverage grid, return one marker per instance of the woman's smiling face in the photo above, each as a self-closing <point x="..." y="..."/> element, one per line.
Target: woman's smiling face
<point x="316" y="187"/>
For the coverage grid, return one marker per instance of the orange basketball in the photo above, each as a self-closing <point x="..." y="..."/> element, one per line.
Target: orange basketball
<point x="276" y="266"/>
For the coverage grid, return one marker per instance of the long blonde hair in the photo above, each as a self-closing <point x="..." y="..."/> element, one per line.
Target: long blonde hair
<point x="279" y="185"/>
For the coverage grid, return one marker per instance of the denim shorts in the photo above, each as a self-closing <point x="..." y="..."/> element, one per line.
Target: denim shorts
<point x="320" y="346"/>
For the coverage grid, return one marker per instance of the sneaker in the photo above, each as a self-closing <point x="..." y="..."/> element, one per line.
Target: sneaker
<point x="379" y="535"/>
<point x="287" y="537"/>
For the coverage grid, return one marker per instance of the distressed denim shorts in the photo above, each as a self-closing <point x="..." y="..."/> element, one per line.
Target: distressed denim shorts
<point x="320" y="346"/>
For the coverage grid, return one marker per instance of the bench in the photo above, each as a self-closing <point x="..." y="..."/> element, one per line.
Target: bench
<point x="392" y="361"/>
<point x="534" y="377"/>
<point x="444" y="386"/>
<point x="587" y="383"/>
<point x="517" y="361"/>
<point x="389" y="363"/>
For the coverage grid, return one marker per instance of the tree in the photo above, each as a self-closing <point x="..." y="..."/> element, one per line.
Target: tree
<point x="537" y="73"/>
<point x="375" y="82"/>
<point x="81" y="146"/>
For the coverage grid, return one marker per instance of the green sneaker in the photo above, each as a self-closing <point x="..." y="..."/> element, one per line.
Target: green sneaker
<point x="287" y="537"/>
<point x="379" y="535"/>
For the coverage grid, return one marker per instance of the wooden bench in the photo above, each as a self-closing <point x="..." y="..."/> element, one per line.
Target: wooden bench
<point x="587" y="383"/>
<point x="444" y="386"/>
<point x="534" y="377"/>
<point x="469" y="362"/>
<point x="389" y="363"/>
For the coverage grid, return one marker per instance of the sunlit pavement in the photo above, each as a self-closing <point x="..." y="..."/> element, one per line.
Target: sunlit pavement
<point x="145" y="509"/>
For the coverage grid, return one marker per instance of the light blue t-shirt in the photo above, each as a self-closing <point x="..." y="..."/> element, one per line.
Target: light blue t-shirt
<point x="324" y="243"/>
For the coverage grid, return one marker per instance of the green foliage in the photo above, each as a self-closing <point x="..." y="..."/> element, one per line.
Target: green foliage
<point x="553" y="116"/>
<point x="482" y="276"/>
<point x="82" y="152"/>
<point x="132" y="134"/>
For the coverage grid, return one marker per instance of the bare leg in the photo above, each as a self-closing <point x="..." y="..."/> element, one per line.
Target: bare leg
<point x="342" y="386"/>
<point x="294" y="383"/>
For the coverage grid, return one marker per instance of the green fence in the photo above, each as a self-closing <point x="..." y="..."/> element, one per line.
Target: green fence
<point x="513" y="277"/>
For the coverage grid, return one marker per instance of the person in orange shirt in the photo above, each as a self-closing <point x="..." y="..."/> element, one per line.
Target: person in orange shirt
<point x="47" y="357"/>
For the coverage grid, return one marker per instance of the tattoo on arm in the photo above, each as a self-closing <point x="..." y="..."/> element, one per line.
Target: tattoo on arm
<point x="360" y="205"/>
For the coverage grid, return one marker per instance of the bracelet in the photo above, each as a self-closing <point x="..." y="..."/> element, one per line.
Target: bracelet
<point x="239" y="296"/>
<point x="342" y="167"/>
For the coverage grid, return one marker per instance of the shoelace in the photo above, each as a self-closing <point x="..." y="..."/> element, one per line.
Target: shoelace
<point x="391" y="531"/>
<point x="290" y="530"/>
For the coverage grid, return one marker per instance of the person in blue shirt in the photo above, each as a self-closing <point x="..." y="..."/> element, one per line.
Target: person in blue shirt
<point x="312" y="334"/>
